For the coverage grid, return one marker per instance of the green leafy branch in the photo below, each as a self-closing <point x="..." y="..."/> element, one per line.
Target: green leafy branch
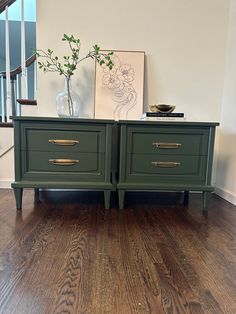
<point x="69" y="64"/>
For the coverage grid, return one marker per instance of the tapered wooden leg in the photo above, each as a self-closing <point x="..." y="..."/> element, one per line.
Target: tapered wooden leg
<point x="107" y="198"/>
<point x="18" y="196"/>
<point x="36" y="195"/>
<point x="121" y="195"/>
<point x="186" y="197"/>
<point x="206" y="197"/>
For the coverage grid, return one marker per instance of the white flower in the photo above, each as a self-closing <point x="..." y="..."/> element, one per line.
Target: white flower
<point x="125" y="73"/>
<point x="111" y="81"/>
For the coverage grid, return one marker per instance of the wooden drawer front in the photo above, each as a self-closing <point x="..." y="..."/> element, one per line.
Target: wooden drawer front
<point x="168" y="168"/>
<point x="63" y="162"/>
<point x="65" y="140"/>
<point x="184" y="142"/>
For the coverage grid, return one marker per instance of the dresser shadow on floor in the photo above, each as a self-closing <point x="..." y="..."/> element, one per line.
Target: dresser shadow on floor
<point x="97" y="198"/>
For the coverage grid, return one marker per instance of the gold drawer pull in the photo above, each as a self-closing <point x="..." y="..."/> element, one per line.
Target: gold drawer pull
<point x="166" y="145"/>
<point x="64" y="162"/>
<point x="165" y="164"/>
<point x="64" y="142"/>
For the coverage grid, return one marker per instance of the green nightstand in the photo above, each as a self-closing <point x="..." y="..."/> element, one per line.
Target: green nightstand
<point x="171" y="156"/>
<point x="62" y="153"/>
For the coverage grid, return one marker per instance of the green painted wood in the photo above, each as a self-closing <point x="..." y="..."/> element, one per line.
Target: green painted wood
<point x="108" y="156"/>
<point x="206" y="198"/>
<point x="17" y="147"/>
<point x="163" y="187"/>
<point x="210" y="154"/>
<point x="167" y="123"/>
<point x="33" y="152"/>
<point x="188" y="141"/>
<point x="88" y="163"/>
<point x="63" y="185"/>
<point x="46" y="140"/>
<point x="123" y="153"/>
<point x="71" y="121"/>
<point x="107" y="197"/>
<point x="194" y="157"/>
<point x="190" y="169"/>
<point x="18" y="196"/>
<point x="121" y="195"/>
<point x="36" y="195"/>
<point x="36" y="136"/>
<point x="186" y="197"/>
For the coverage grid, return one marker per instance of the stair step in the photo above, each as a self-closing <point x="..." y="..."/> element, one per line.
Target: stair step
<point x="29" y="102"/>
<point x="6" y="125"/>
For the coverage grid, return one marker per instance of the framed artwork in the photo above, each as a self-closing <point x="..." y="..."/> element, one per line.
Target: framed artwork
<point x="119" y="92"/>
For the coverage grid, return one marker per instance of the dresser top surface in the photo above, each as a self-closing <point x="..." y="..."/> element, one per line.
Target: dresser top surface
<point x="57" y="119"/>
<point x="169" y="123"/>
<point x="110" y="121"/>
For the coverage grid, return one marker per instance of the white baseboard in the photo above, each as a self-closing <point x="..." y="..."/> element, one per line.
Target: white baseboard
<point x="5" y="184"/>
<point x="228" y="196"/>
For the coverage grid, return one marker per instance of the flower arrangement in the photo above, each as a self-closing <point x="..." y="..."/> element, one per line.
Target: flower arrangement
<point x="69" y="64"/>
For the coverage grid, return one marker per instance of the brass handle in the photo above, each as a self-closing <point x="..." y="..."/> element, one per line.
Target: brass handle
<point x="64" y="142"/>
<point x="165" y="164"/>
<point x="64" y="162"/>
<point x="166" y="145"/>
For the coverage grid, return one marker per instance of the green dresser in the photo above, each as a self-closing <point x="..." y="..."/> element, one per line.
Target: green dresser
<point x="63" y="154"/>
<point x="170" y="156"/>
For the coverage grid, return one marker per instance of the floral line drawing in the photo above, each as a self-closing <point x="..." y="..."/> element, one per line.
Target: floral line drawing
<point x="119" y="80"/>
<point x="118" y="92"/>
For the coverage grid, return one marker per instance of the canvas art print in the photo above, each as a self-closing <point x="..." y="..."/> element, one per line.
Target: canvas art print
<point x="119" y="92"/>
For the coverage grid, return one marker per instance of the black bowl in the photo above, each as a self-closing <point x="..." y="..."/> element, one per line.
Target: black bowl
<point x="164" y="108"/>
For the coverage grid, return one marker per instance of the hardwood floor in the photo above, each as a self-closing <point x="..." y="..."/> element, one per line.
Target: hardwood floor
<point x="67" y="254"/>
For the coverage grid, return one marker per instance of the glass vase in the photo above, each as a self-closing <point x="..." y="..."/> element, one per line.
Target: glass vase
<point x="68" y="102"/>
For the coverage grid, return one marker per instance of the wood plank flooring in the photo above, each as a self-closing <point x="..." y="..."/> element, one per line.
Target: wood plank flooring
<point x="67" y="254"/>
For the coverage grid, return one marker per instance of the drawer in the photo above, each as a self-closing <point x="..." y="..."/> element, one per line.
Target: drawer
<point x="63" y="140"/>
<point x="62" y="162"/>
<point x="160" y="142"/>
<point x="158" y="168"/>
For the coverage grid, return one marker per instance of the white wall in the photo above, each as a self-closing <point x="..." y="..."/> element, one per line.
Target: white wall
<point x="6" y="161"/>
<point x="226" y="166"/>
<point x="184" y="42"/>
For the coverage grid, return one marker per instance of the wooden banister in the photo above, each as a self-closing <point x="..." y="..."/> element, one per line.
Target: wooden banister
<point x="4" y="3"/>
<point x="18" y="70"/>
<point x="29" y="102"/>
<point x="6" y="125"/>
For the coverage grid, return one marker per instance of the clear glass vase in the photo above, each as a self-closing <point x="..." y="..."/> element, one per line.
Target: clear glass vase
<point x="68" y="102"/>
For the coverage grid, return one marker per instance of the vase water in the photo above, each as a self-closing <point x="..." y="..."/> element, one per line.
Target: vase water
<point x="68" y="101"/>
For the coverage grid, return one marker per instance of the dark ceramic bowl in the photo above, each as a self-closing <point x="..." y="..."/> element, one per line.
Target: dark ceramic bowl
<point x="164" y="108"/>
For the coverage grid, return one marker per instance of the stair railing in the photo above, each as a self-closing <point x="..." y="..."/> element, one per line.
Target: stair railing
<point x="16" y="95"/>
<point x="13" y="84"/>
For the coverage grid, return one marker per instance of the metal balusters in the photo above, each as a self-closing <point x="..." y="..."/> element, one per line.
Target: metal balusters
<point x="35" y="79"/>
<point x="3" y="102"/>
<point x="25" y="87"/>
<point x="23" y="65"/>
<point x="18" y="94"/>
<point x="13" y="98"/>
<point x="8" y="78"/>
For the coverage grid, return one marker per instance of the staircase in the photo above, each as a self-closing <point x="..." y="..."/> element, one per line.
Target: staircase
<point x="14" y="94"/>
<point x="14" y="90"/>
